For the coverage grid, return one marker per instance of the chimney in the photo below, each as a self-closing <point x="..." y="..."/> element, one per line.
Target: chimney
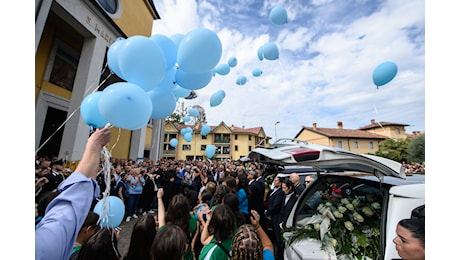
<point x="314" y="126"/>
<point x="372" y="121"/>
<point x="339" y="125"/>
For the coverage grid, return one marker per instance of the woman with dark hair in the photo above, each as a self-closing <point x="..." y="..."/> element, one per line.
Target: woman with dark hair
<point x="410" y="239"/>
<point x="170" y="243"/>
<point x="243" y="193"/>
<point x="142" y="236"/>
<point x="103" y="245"/>
<point x="88" y="229"/>
<point x="178" y="213"/>
<point x="217" y="233"/>
<point x="231" y="200"/>
<point x="221" y="190"/>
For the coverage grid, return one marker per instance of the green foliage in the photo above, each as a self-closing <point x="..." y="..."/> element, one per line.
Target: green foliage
<point x="175" y="118"/>
<point x="417" y="149"/>
<point x="396" y="150"/>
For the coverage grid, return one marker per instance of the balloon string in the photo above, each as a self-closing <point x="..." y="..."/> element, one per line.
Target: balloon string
<point x="376" y="111"/>
<point x="71" y="114"/>
<point x="104" y="217"/>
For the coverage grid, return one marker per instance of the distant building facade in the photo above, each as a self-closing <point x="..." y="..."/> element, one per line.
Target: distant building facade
<point x="231" y="142"/>
<point x="364" y="140"/>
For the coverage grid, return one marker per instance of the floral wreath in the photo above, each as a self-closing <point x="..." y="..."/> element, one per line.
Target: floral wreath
<point x="348" y="228"/>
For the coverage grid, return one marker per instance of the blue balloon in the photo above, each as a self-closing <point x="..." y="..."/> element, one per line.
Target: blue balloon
<point x="199" y="51"/>
<point x="188" y="137"/>
<point x="186" y="119"/>
<point x="112" y="56"/>
<point x="169" y="81"/>
<point x="114" y="211"/>
<point x="384" y="73"/>
<point x="125" y="105"/>
<point x="89" y="110"/>
<point x="181" y="92"/>
<point x="222" y="69"/>
<point x="168" y="47"/>
<point x="278" y="15"/>
<point x="205" y="129"/>
<point x="177" y="38"/>
<point x="216" y="99"/>
<point x="183" y="131"/>
<point x="163" y="103"/>
<point x="142" y="62"/>
<point x="232" y="62"/>
<point x="210" y="150"/>
<point x="221" y="92"/>
<point x="241" y="80"/>
<point x="173" y="142"/>
<point x="256" y="72"/>
<point x="193" y="112"/>
<point x="260" y="53"/>
<point x="270" y="51"/>
<point x="188" y="129"/>
<point x="193" y="81"/>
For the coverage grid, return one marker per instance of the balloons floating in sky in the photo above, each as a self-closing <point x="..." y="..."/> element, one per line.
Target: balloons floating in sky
<point x="232" y="62"/>
<point x="216" y="99"/>
<point x="222" y="69"/>
<point x="199" y="51"/>
<point x="384" y="73"/>
<point x="256" y="72"/>
<point x="188" y="137"/>
<point x="193" y="112"/>
<point x="173" y="142"/>
<point x="278" y="15"/>
<point x="205" y="129"/>
<point x="270" y="51"/>
<point x="241" y="80"/>
<point x="210" y="150"/>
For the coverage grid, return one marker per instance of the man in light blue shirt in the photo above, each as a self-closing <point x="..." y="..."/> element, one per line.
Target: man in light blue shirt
<point x="64" y="216"/>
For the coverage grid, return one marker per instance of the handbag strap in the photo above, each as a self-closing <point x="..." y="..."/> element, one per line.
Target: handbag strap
<point x="222" y="247"/>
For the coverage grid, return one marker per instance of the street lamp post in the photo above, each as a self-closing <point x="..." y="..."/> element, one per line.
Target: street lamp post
<point x="276" y="137"/>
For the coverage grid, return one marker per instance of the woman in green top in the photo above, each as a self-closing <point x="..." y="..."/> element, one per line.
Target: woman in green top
<point x="178" y="213"/>
<point x="217" y="233"/>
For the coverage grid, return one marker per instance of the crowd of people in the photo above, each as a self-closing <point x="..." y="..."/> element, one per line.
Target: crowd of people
<point x="183" y="209"/>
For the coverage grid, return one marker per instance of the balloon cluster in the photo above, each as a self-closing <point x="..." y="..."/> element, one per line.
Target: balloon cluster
<point x="158" y="70"/>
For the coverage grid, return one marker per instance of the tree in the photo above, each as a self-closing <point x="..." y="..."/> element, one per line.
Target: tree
<point x="396" y="150"/>
<point x="417" y="149"/>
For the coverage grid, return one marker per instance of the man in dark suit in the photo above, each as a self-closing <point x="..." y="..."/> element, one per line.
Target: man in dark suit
<point x="256" y="201"/>
<point x="289" y="199"/>
<point x="273" y="212"/>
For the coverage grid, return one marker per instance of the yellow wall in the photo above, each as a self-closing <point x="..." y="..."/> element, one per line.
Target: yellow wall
<point x="136" y="18"/>
<point x="314" y="138"/>
<point x="148" y="137"/>
<point x="120" y="143"/>
<point x="390" y="131"/>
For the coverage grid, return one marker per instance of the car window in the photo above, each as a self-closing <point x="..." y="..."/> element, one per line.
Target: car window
<point x="322" y="192"/>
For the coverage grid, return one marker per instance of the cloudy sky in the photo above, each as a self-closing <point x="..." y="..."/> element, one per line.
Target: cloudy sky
<point x="328" y="51"/>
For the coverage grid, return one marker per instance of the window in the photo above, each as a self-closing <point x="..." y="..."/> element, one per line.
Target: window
<point x="62" y="66"/>
<point x="203" y="147"/>
<point x="250" y="148"/>
<point x="371" y="145"/>
<point x="236" y="147"/>
<point x="222" y="138"/>
<point x="397" y="131"/>
<point x="236" y="137"/>
<point x="339" y="144"/>
<point x="249" y="137"/>
<point x="110" y="6"/>
<point x="356" y="144"/>
<point x="186" y="147"/>
<point x="204" y="137"/>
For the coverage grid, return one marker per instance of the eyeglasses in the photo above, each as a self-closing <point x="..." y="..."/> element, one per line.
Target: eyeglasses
<point x="307" y="181"/>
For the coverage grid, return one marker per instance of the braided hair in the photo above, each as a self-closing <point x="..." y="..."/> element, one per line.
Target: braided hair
<point x="246" y="244"/>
